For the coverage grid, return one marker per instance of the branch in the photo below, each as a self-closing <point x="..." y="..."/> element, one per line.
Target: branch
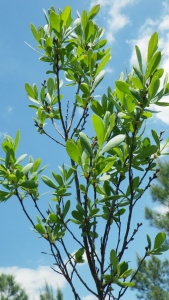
<point x="83" y="282"/>
<point x="58" y="90"/>
<point x="21" y="202"/>
<point x="57" y="129"/>
<point x="74" y="108"/>
<point x="53" y="138"/>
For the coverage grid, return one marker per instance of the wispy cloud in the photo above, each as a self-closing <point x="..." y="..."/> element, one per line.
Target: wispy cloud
<point x="115" y="18"/>
<point x="161" y="209"/>
<point x="33" y="280"/>
<point x="9" y="109"/>
<point x="161" y="25"/>
<point x="89" y="297"/>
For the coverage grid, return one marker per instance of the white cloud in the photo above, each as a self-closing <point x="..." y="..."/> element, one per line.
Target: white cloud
<point x="109" y="70"/>
<point x="89" y="297"/>
<point x="33" y="280"/>
<point x="161" y="209"/>
<point x="115" y="19"/>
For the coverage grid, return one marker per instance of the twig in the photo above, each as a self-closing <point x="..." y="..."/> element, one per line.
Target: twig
<point x="53" y="123"/>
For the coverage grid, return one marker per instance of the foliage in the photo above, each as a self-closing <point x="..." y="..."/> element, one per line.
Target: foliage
<point x="109" y="164"/>
<point x="159" y="193"/>
<point x="152" y="279"/>
<point x="9" y="289"/>
<point x="48" y="294"/>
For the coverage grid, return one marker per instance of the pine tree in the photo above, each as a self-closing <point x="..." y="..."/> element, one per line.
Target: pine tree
<point x="152" y="279"/>
<point x="10" y="290"/>
<point x="160" y="194"/>
<point x="48" y="293"/>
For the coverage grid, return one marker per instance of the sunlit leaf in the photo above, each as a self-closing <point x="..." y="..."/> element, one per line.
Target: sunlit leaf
<point x="113" y="142"/>
<point x="99" y="129"/>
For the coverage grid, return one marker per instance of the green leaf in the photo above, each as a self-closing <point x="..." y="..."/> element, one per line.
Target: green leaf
<point x="34" y="32"/>
<point x="40" y="228"/>
<point x="20" y="158"/>
<point x="27" y="168"/>
<point x="50" y="85"/>
<point x="4" y="196"/>
<point x="79" y="256"/>
<point x="105" y="177"/>
<point x="123" y="86"/>
<point x="149" y="242"/>
<point x="159" y="239"/>
<point x="129" y="102"/>
<point x="124" y="284"/>
<point x="66" y="208"/>
<point x="7" y="158"/>
<point x="138" y="73"/>
<point x="163" y="248"/>
<point x="122" y="267"/>
<point x="159" y="73"/>
<point x="30" y="184"/>
<point x="136" y="94"/>
<point x="58" y="178"/>
<point x="138" y="84"/>
<point x="48" y="182"/>
<point x="66" y="15"/>
<point x="114" y="259"/>
<point x="97" y="108"/>
<point x="153" y="65"/>
<point x="108" y="166"/>
<point x="98" y="79"/>
<point x="17" y="139"/>
<point x="152" y="46"/>
<point x="93" y="12"/>
<point x="103" y="63"/>
<point x="156" y="138"/>
<point x="53" y="218"/>
<point x="146" y="152"/>
<point x="77" y="215"/>
<point x="89" y="31"/>
<point x="139" y="58"/>
<point x="99" y="129"/>
<point x="36" y="164"/>
<point x="85" y="89"/>
<point x="85" y="142"/>
<point x="159" y="103"/>
<point x="154" y="86"/>
<point x="73" y="151"/>
<point x="29" y="90"/>
<point x="126" y="274"/>
<point x="84" y="19"/>
<point x="113" y="143"/>
<point x="55" y="22"/>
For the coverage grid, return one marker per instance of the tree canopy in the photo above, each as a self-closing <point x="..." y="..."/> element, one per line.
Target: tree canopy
<point x="109" y="167"/>
<point x="10" y="290"/>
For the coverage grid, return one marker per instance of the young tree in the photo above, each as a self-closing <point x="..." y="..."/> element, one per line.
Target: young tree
<point x="152" y="279"/>
<point x="108" y="164"/>
<point x="10" y="290"/>
<point x="48" y="294"/>
<point x="160" y="194"/>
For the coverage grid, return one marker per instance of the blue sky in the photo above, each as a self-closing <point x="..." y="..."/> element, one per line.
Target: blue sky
<point x="126" y="22"/>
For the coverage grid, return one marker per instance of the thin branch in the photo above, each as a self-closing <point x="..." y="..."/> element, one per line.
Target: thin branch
<point x="124" y="289"/>
<point x="53" y="138"/>
<point x="35" y="203"/>
<point x="83" y="117"/>
<point x="85" y="284"/>
<point x="53" y="123"/>
<point x="74" y="108"/>
<point x="21" y="202"/>
<point x="58" y="89"/>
